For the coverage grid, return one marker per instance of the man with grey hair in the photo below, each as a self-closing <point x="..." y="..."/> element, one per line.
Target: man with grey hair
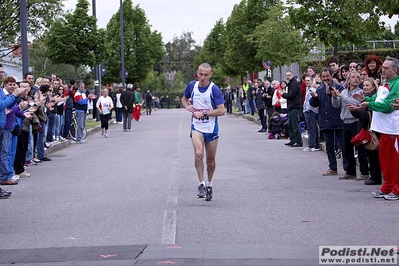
<point x="81" y="102"/>
<point x="383" y="122"/>
<point x="127" y="99"/>
<point x="228" y="100"/>
<point x="294" y="104"/>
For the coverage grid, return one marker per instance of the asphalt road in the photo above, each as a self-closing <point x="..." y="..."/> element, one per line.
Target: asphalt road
<point x="139" y="188"/>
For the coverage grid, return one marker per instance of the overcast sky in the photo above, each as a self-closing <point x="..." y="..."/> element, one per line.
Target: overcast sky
<point x="173" y="17"/>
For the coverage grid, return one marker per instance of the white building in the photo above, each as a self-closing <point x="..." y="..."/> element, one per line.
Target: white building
<point x="12" y="64"/>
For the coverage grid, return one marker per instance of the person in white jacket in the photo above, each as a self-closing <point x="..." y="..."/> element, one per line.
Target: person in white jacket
<point x="104" y="106"/>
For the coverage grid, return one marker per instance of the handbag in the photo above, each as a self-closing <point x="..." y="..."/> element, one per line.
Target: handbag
<point x="36" y="127"/>
<point x="362" y="137"/>
<point x="374" y="143"/>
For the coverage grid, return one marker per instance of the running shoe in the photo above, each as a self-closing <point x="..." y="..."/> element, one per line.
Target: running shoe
<point x="201" y="191"/>
<point x="208" y="193"/>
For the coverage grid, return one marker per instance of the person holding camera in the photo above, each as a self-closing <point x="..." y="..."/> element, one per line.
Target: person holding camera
<point x="330" y="122"/>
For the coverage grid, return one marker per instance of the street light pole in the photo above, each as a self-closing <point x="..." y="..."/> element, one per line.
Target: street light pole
<point x="96" y="74"/>
<point x="123" y="71"/>
<point x="24" y="38"/>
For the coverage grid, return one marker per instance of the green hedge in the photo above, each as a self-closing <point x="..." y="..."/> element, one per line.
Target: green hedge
<point x="350" y="56"/>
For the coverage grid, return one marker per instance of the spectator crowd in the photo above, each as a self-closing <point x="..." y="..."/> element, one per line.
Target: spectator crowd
<point x="339" y="105"/>
<point x="343" y="105"/>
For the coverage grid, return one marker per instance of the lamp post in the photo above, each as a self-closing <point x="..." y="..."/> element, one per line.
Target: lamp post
<point x="123" y="70"/>
<point x="24" y="37"/>
<point x="97" y="85"/>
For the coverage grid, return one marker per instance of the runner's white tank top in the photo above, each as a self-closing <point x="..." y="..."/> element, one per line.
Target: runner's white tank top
<point x="202" y="102"/>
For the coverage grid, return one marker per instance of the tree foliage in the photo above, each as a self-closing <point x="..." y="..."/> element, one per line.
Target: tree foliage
<point x="43" y="66"/>
<point x="389" y="8"/>
<point x="241" y="52"/>
<point x="75" y="39"/>
<point x="213" y="52"/>
<point x="180" y="54"/>
<point x="143" y="48"/>
<point x="39" y="16"/>
<point x="336" y="22"/>
<point x="277" y="40"/>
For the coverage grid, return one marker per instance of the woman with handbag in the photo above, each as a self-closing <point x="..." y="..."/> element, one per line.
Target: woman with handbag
<point x="369" y="89"/>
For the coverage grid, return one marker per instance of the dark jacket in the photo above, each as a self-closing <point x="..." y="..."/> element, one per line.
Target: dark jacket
<point x="329" y="117"/>
<point x="268" y="101"/>
<point x="259" y="101"/>
<point x="251" y="92"/>
<point x="70" y="103"/>
<point x="294" y="95"/>
<point x="127" y="99"/>
<point x="228" y="96"/>
<point x="148" y="98"/>
<point x="276" y="125"/>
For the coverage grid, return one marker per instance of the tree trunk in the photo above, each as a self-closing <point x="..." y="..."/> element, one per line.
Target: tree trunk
<point x="76" y="72"/>
<point x="335" y="49"/>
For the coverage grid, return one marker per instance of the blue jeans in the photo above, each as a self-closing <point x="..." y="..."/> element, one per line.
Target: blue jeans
<point x="238" y="102"/>
<point x="247" y="107"/>
<point x="29" y="152"/>
<point x="62" y="122"/>
<point x="4" y="140"/>
<point x="67" y="123"/>
<point x="50" y="124"/>
<point x="57" y="126"/>
<point x="81" y="120"/>
<point x="252" y="106"/>
<point x="40" y="141"/>
<point x="12" y="150"/>
<point x="119" y="113"/>
<point x="313" y="130"/>
<point x="329" y="138"/>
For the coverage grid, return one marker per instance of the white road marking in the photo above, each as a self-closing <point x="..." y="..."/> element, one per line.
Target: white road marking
<point x="170" y="216"/>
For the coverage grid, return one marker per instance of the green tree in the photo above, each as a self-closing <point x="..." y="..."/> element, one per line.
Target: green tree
<point x="143" y="48"/>
<point x="75" y="39"/>
<point x="43" y="66"/>
<point x="213" y="52"/>
<point x="178" y="85"/>
<point x="180" y="54"/>
<point x="335" y="23"/>
<point x="241" y="52"/>
<point x="389" y="8"/>
<point x="277" y="40"/>
<point x="40" y="14"/>
<point x="152" y="81"/>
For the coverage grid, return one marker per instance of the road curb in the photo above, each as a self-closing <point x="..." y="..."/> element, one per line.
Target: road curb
<point x="64" y="144"/>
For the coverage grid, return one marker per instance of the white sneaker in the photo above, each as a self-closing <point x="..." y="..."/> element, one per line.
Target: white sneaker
<point x="15" y="178"/>
<point x="25" y="174"/>
<point x="105" y="135"/>
<point x="308" y="149"/>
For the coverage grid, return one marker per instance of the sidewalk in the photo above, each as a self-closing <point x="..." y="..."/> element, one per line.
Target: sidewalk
<point x="255" y="120"/>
